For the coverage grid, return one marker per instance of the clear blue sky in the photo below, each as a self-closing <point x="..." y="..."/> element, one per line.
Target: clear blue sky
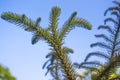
<point x="24" y="59"/>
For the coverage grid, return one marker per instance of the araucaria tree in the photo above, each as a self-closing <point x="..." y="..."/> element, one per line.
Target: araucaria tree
<point x="112" y="46"/>
<point x="52" y="35"/>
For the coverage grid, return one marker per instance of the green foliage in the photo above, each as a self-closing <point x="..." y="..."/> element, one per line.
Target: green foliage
<point x="5" y="74"/>
<point x="111" y="45"/>
<point x="28" y="25"/>
<point x="108" y="71"/>
<point x="58" y="56"/>
<point x="71" y="23"/>
<point x="54" y="65"/>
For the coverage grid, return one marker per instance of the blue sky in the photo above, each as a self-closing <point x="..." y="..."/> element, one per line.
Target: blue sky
<point x="24" y="59"/>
